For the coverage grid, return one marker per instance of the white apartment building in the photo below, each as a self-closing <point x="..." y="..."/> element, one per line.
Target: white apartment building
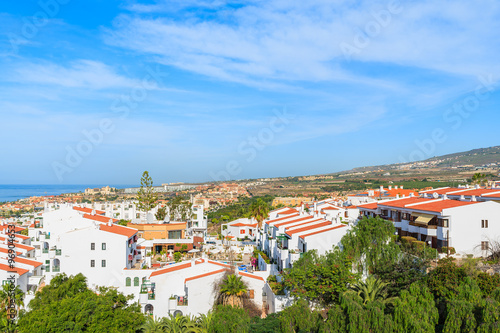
<point x="187" y="288"/>
<point x="240" y="228"/>
<point x="467" y="226"/>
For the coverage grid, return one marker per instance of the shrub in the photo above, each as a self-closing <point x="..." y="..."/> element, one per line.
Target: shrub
<point x="444" y="249"/>
<point x="408" y="239"/>
<point x="419" y="244"/>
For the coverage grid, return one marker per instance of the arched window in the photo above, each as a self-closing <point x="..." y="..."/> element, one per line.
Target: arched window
<point x="136" y="281"/>
<point x="128" y="282"/>
<point x="148" y="309"/>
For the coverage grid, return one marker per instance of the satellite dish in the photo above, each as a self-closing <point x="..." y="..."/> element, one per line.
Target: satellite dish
<point x="435" y="195"/>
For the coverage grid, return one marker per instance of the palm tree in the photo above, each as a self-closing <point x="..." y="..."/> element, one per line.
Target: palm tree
<point x="179" y="324"/>
<point x="152" y="326"/>
<point x="478" y="178"/>
<point x="371" y="290"/>
<point x="204" y="322"/>
<point x="6" y="294"/>
<point x="232" y="291"/>
<point x="259" y="210"/>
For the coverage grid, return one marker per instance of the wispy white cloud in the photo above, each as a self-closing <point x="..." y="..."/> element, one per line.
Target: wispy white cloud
<point x="301" y="40"/>
<point x="87" y="74"/>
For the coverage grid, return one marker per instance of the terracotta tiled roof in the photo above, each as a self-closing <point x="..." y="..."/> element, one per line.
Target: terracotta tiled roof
<point x="324" y="230"/>
<point x="88" y="210"/>
<point x="310" y="227"/>
<point x="203" y="275"/>
<point x="438" y="206"/>
<point x="99" y="218"/>
<point x="18" y="270"/>
<point x="251" y="276"/>
<point x="171" y="268"/>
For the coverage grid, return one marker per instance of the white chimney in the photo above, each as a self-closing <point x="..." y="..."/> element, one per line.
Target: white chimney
<point x="445" y="197"/>
<point x="473" y="198"/>
<point x="395" y="187"/>
<point x="401" y="187"/>
<point x="412" y="195"/>
<point x="462" y="197"/>
<point x="390" y="187"/>
<point x="110" y="222"/>
<point x="477" y="186"/>
<point x="92" y="212"/>
<point x="397" y="196"/>
<point x="381" y="188"/>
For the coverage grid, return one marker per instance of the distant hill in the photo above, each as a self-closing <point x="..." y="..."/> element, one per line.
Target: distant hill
<point x="475" y="158"/>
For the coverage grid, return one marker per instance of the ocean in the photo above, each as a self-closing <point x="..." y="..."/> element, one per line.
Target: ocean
<point x="16" y="192"/>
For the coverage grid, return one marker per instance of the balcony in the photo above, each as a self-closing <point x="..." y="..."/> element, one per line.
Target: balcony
<point x="47" y="268"/>
<point x="45" y="250"/>
<point x="58" y="252"/>
<point x="56" y="269"/>
<point x="47" y="236"/>
<point x="182" y="301"/>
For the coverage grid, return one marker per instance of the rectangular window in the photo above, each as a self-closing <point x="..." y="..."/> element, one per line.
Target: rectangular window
<point x="92" y="246"/>
<point x="484" y="223"/>
<point x="242" y="231"/>
<point x="104" y="246"/>
<point x="92" y="263"/>
<point x="484" y="245"/>
<point x="103" y="263"/>
<point x="177" y="234"/>
<point x="47" y="262"/>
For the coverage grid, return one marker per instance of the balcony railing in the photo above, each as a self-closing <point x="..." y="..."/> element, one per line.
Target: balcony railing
<point x="47" y="268"/>
<point x="151" y="296"/>
<point x="58" y="252"/>
<point x="182" y="301"/>
<point x="56" y="269"/>
<point x="45" y="250"/>
<point x="47" y="236"/>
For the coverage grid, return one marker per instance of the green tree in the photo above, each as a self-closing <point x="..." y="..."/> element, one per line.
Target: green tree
<point x="66" y="304"/>
<point x="319" y="279"/>
<point x="161" y="213"/>
<point x="299" y="318"/>
<point x="259" y="210"/>
<point x="415" y="310"/>
<point x="146" y="196"/>
<point x="371" y="290"/>
<point x="228" y="319"/>
<point x="179" y="324"/>
<point x="152" y="326"/>
<point x="7" y="294"/>
<point x="232" y="290"/>
<point x="177" y="256"/>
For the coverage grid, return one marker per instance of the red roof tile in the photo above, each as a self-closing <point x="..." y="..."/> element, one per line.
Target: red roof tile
<point x="310" y="227"/>
<point x="438" y="206"/>
<point x="251" y="276"/>
<point x="170" y="269"/>
<point x="203" y="275"/>
<point x="281" y="218"/>
<point x="99" y="218"/>
<point x="372" y="206"/>
<point x="118" y="229"/>
<point x="324" y="230"/>
<point x="27" y="261"/>
<point x="88" y="210"/>
<point x="18" y="270"/>
<point x="401" y="203"/>
<point x="309" y="217"/>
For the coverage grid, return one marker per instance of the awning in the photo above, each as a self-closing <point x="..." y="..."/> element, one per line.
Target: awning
<point x="423" y="218"/>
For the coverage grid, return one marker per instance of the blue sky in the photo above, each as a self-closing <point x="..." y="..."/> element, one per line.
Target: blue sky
<point x="98" y="91"/>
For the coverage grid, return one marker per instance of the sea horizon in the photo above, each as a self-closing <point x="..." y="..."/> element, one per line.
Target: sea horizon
<point x="14" y="192"/>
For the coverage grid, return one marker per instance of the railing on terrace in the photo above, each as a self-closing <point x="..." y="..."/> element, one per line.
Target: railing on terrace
<point x="47" y="236"/>
<point x="182" y="301"/>
<point x="56" y="269"/>
<point x="58" y="252"/>
<point x="45" y="250"/>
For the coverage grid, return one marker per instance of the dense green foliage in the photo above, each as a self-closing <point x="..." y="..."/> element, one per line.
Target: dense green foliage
<point x="68" y="305"/>
<point x="242" y="208"/>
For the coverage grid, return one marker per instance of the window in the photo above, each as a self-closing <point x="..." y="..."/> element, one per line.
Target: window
<point x="484" y="223"/>
<point x="136" y="282"/>
<point x="92" y="263"/>
<point x="47" y="262"/>
<point x="242" y="231"/>
<point x="103" y="263"/>
<point x="103" y="246"/>
<point x="177" y="234"/>
<point x="128" y="282"/>
<point x="484" y="245"/>
<point x="92" y="246"/>
<point x="251" y="294"/>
